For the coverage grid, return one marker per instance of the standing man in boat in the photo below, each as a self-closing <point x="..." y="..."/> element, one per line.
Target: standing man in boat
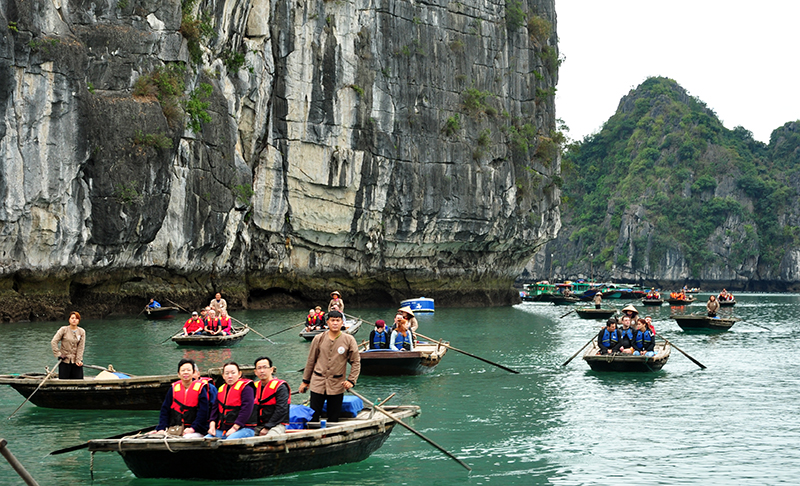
<point x="598" y="298"/>
<point x="326" y="366"/>
<point x="272" y="400"/>
<point x="712" y="306"/>
<point x="73" y="341"/>
<point x="218" y="304"/>
<point x="185" y="408"/>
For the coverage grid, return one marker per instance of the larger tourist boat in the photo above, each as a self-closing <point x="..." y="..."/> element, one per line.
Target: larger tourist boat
<point x="350" y="440"/>
<point x="420" y="304"/>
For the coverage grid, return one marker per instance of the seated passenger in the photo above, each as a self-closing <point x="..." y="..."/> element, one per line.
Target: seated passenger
<point x="185" y="408"/>
<point x="379" y="338"/>
<point x="402" y="339"/>
<point x="643" y="341"/>
<point x="272" y="400"/>
<point x="608" y="338"/>
<point x="211" y="389"/>
<point x="213" y="326"/>
<point x="234" y="415"/>
<point x="626" y="336"/>
<point x="193" y="325"/>
<point x="650" y="326"/>
<point x="225" y="322"/>
<point x="311" y="320"/>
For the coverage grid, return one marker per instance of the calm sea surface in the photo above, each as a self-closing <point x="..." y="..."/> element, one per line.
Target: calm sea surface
<point x="733" y="423"/>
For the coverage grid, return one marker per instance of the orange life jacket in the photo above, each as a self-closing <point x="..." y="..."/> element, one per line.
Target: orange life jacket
<point x="183" y="410"/>
<point x="266" y="399"/>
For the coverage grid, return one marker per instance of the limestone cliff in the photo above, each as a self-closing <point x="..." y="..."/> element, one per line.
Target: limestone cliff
<point x="274" y="150"/>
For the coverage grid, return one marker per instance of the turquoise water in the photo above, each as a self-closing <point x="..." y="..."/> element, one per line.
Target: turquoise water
<point x="733" y="423"/>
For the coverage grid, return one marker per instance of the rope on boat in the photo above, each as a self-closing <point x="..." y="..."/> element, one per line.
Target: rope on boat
<point x="91" y="465"/>
<point x="166" y="443"/>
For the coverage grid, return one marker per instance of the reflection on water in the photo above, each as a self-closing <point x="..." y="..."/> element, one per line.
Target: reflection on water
<point x="551" y="424"/>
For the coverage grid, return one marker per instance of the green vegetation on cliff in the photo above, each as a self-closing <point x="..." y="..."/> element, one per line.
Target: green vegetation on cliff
<point x="664" y="174"/>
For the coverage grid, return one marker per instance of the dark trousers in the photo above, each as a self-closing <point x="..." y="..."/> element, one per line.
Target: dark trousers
<point x="597" y="306"/>
<point x="334" y="406"/>
<point x="70" y="371"/>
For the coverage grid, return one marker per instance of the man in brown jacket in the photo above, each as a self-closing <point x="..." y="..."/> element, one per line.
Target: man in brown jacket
<point x="326" y="366"/>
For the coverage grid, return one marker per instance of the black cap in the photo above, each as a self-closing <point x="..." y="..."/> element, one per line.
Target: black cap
<point x="335" y="314"/>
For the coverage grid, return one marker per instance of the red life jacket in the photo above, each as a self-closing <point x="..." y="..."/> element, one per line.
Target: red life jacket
<point x="193" y="324"/>
<point x="226" y="325"/>
<point x="229" y="400"/>
<point x="183" y="410"/>
<point x="266" y="399"/>
<point x="213" y="324"/>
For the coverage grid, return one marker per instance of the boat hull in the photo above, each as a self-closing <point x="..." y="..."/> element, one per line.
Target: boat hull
<point x="595" y="313"/>
<point x="350" y="440"/>
<point x="703" y="323"/>
<point x="160" y="313"/>
<point x="140" y="393"/>
<point x="727" y="303"/>
<point x="205" y="341"/>
<point x="626" y="362"/>
<point x="652" y="301"/>
<point x="402" y="363"/>
<point x="680" y="301"/>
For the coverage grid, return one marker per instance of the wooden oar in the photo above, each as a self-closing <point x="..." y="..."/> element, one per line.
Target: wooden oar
<point x="284" y="330"/>
<point x="434" y="444"/>
<point x="110" y="369"/>
<point x="752" y="324"/>
<point x="16" y="465"/>
<point x="469" y="354"/>
<point x="568" y="313"/>
<point x="55" y="367"/>
<point x="576" y="354"/>
<point x="701" y="365"/>
<point x="179" y="306"/>
<point x="86" y="444"/>
<point x="248" y="326"/>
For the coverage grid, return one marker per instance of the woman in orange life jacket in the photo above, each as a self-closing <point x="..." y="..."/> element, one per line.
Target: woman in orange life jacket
<point x="186" y="404"/>
<point x="225" y="322"/>
<point x="234" y="415"/>
<point x="272" y="400"/>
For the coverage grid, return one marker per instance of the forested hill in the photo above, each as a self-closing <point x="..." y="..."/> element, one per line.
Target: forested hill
<point x="665" y="194"/>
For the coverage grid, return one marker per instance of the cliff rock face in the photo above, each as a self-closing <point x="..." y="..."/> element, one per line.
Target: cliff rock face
<point x="273" y="150"/>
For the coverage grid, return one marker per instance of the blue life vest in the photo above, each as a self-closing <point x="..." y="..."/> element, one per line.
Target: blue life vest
<point x="642" y="339"/>
<point x="607" y="338"/>
<point x="623" y="333"/>
<point x="380" y="340"/>
<point x="403" y="342"/>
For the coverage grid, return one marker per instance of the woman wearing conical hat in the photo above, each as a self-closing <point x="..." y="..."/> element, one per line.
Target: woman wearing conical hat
<point x="336" y="298"/>
<point x="631" y="312"/>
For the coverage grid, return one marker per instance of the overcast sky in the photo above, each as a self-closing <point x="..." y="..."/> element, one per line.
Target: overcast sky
<point x="741" y="58"/>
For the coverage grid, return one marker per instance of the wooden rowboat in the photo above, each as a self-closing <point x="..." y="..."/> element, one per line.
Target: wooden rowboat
<point x="627" y="362"/>
<point x="218" y="340"/>
<point x="703" y="322"/>
<point x="652" y="301"/>
<point x="352" y="329"/>
<point x="134" y="393"/>
<point x="152" y="314"/>
<point x="681" y="301"/>
<point x="564" y="299"/>
<point x="350" y="440"/>
<point x="385" y="362"/>
<point x="589" y="313"/>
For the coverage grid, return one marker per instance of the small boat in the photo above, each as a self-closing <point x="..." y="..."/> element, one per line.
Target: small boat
<point x="694" y="290"/>
<point x="686" y="301"/>
<point x="703" y="322"/>
<point x="652" y="301"/>
<point x="350" y="440"/>
<point x="559" y="299"/>
<point x="590" y="313"/>
<point x="627" y="362"/>
<point x="385" y="362"/>
<point x="219" y="340"/>
<point x="727" y="303"/>
<point x="352" y="329"/>
<point x="113" y="393"/>
<point x="158" y="313"/>
<point x="420" y="304"/>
